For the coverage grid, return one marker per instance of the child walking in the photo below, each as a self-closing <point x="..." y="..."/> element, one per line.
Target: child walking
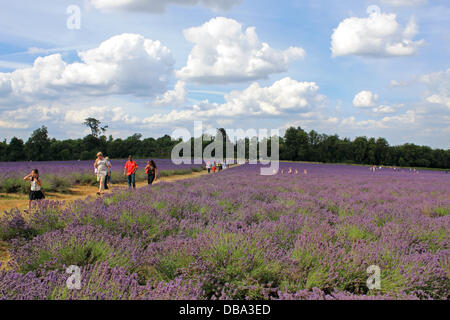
<point x="36" y="185"/>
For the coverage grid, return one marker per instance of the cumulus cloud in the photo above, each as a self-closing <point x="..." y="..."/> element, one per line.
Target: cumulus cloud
<point x="158" y="6"/>
<point x="223" y="53"/>
<point x="314" y="120"/>
<point x="384" y="110"/>
<point x="438" y="92"/>
<point x="123" y="64"/>
<point x="174" y="98"/>
<point x="33" y="113"/>
<point x="428" y="117"/>
<point x="13" y="125"/>
<point x="400" y="3"/>
<point x="103" y="113"/>
<point x="378" y="35"/>
<point x="408" y="118"/>
<point x="286" y="97"/>
<point x="365" y="99"/>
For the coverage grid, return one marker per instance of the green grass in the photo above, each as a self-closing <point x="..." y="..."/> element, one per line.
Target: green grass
<point x="62" y="184"/>
<point x="75" y="253"/>
<point x="442" y="211"/>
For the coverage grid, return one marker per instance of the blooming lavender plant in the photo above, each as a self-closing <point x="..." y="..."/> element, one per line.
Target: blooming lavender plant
<point x="309" y="234"/>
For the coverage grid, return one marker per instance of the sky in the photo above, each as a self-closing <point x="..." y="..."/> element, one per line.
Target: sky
<point x="377" y="68"/>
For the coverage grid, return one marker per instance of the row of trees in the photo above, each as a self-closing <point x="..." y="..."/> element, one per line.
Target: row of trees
<point x="39" y="147"/>
<point x="297" y="145"/>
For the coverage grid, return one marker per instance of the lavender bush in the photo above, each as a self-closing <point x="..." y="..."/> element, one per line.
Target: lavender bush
<point x="240" y="235"/>
<point x="60" y="176"/>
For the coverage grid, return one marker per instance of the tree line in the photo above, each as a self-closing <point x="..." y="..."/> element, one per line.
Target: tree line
<point x="295" y="145"/>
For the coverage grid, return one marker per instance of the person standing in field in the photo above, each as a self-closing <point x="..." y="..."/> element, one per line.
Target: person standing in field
<point x="208" y="166"/>
<point x="130" y="172"/>
<point x="36" y="185"/>
<point x="108" y="173"/>
<point x="102" y="171"/>
<point x="151" y="171"/>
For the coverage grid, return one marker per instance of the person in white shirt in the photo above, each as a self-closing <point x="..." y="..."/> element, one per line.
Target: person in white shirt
<point x="35" y="190"/>
<point x="102" y="170"/>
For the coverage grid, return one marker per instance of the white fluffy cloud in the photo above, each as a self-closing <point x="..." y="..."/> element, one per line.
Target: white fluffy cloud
<point x="378" y="35"/>
<point x="399" y="121"/>
<point x="173" y="98"/>
<point x="365" y="99"/>
<point x="224" y="53"/>
<point x="438" y="84"/>
<point x="368" y="99"/>
<point x="123" y="64"/>
<point x="158" y="6"/>
<point x="285" y="97"/>
<point x="35" y="115"/>
<point x="400" y="3"/>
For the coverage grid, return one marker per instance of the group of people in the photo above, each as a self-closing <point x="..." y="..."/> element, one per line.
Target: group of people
<point x="290" y="171"/>
<point x="215" y="167"/>
<point x="395" y="169"/>
<point x="103" y="169"/>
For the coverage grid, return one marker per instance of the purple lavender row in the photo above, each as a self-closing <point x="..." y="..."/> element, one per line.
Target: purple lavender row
<point x="240" y="235"/>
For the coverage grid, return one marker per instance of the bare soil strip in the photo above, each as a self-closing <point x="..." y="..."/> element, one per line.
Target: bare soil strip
<point x="10" y="201"/>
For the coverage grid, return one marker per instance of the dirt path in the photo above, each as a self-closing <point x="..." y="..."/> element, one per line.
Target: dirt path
<point x="20" y="201"/>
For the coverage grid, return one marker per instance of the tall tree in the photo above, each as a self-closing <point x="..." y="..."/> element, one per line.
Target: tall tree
<point x="95" y="127"/>
<point x="37" y="148"/>
<point x="15" y="150"/>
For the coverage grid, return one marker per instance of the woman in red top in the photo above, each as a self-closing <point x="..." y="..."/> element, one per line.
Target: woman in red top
<point x="130" y="172"/>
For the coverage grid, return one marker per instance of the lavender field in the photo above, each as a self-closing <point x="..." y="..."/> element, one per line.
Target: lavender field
<point x="59" y="176"/>
<point x="240" y="235"/>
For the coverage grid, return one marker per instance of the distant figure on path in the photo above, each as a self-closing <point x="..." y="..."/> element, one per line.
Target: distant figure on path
<point x="151" y="171"/>
<point x="296" y="171"/>
<point x="36" y="185"/>
<point x="208" y="166"/>
<point x="130" y="171"/>
<point x="102" y="171"/>
<point x="305" y="171"/>
<point x="108" y="173"/>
